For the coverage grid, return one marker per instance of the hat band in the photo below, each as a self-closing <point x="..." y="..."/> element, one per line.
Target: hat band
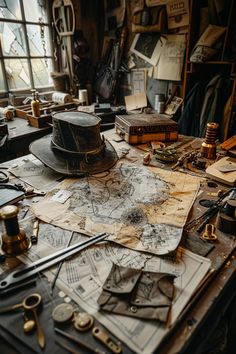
<point x="77" y="153"/>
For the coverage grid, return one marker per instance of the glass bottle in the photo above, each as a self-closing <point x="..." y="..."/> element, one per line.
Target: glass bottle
<point x="38" y="102"/>
<point x="35" y="105"/>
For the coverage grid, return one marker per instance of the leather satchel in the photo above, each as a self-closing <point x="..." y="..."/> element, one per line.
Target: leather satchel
<point x="108" y="70"/>
<point x="105" y="82"/>
<point x="135" y="293"/>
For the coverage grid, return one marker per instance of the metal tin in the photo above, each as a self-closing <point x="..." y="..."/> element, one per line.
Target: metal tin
<point x="160" y="107"/>
<point x="159" y="103"/>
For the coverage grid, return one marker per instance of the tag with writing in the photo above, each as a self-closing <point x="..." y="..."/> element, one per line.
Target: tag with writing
<point x="61" y="196"/>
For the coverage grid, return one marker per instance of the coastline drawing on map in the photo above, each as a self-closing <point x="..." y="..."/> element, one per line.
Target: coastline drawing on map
<point x="141" y="208"/>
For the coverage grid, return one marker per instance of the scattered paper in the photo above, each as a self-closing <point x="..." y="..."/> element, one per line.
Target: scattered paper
<point x="171" y="59"/>
<point x="136" y="101"/>
<point x="61" y="196"/>
<point x="36" y="174"/>
<point x="81" y="278"/>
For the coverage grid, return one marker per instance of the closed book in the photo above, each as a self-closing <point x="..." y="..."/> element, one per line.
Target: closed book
<point x="142" y="128"/>
<point x="10" y="196"/>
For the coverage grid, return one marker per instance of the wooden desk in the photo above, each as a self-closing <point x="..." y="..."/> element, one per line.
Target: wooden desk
<point x="21" y="134"/>
<point x="213" y="306"/>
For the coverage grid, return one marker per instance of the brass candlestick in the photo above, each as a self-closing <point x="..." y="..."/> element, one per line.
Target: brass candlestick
<point x="14" y="241"/>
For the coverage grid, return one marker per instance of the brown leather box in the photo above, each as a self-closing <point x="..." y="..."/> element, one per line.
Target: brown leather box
<point x="142" y="128"/>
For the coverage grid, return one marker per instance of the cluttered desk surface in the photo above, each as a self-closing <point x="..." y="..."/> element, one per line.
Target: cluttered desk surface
<point x="150" y="285"/>
<point x="20" y="135"/>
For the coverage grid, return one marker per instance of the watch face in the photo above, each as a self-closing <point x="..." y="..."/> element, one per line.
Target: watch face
<point x="63" y="313"/>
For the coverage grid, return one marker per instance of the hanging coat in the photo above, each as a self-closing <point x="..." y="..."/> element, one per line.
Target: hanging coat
<point x="190" y="117"/>
<point x="216" y="94"/>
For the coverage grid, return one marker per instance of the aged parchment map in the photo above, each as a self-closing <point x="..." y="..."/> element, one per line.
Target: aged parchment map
<point x="141" y="208"/>
<point x="81" y="278"/>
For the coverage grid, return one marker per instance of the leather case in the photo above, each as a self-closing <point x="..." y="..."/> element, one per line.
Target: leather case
<point x="143" y="128"/>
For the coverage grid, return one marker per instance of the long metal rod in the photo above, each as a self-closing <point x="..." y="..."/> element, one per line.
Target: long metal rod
<point x="25" y="272"/>
<point x="78" y="341"/>
<point x="67" y="347"/>
<point x="60" y="264"/>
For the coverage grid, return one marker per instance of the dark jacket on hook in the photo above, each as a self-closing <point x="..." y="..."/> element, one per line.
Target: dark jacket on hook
<point x="216" y="94"/>
<point x="190" y="117"/>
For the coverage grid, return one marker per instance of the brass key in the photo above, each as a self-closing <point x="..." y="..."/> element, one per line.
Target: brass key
<point x="30" y="303"/>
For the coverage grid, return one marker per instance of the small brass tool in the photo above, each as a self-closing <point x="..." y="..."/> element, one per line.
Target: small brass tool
<point x="83" y="321"/>
<point x="209" y="233"/>
<point x="14" y="241"/>
<point x="101" y="335"/>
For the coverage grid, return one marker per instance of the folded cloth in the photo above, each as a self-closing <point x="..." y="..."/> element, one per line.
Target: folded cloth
<point x="136" y="293"/>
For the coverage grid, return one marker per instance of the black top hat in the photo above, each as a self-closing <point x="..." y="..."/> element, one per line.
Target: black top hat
<point x="75" y="146"/>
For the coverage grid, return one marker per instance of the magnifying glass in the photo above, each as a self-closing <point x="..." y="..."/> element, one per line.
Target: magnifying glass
<point x="31" y="303"/>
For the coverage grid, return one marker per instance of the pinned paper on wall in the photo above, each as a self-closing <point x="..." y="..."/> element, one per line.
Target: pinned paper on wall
<point x="171" y="59"/>
<point x="177" y="13"/>
<point x="148" y="46"/>
<point x="138" y="81"/>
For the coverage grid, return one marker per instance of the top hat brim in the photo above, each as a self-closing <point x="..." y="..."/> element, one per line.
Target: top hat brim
<point x="70" y="165"/>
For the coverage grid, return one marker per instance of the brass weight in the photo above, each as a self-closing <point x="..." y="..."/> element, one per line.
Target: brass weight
<point x="14" y="241"/>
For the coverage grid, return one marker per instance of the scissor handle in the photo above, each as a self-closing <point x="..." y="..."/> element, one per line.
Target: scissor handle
<point x="32" y="301"/>
<point x="64" y="5"/>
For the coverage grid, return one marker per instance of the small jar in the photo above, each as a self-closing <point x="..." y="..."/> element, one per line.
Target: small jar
<point x="159" y="103"/>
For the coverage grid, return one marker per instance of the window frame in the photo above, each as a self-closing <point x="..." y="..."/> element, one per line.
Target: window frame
<point x="23" y="22"/>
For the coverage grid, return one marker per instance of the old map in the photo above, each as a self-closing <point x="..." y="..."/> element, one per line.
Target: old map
<point x="141" y="208"/>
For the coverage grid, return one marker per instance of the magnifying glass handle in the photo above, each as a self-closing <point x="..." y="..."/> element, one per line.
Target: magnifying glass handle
<point x="40" y="334"/>
<point x="10" y="308"/>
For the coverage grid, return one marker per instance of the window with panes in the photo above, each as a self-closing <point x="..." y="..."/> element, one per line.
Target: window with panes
<point x="25" y="45"/>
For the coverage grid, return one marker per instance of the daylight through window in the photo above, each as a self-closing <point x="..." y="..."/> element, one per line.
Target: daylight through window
<point x="25" y="52"/>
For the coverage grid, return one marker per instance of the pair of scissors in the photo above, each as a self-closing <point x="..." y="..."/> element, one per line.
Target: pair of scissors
<point x="3" y="177"/>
